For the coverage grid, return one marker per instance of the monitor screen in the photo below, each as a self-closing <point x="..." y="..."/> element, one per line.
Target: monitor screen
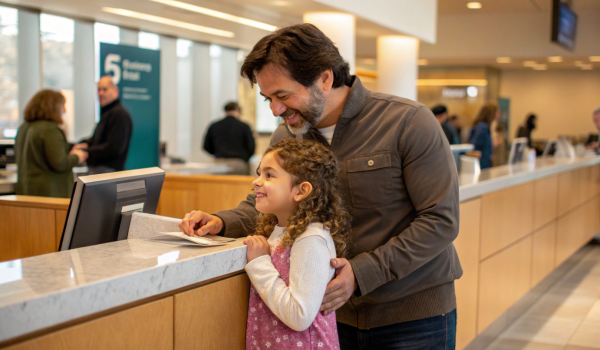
<point x="517" y="149"/>
<point x="99" y="202"/>
<point x="564" y="25"/>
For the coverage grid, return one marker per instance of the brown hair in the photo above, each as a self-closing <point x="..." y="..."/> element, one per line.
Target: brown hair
<point x="486" y="114"/>
<point x="303" y="50"/>
<point x="45" y="105"/>
<point x="310" y="161"/>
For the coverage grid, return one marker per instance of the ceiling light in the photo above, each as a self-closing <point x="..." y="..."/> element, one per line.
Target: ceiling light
<point x="474" y="5"/>
<point x="530" y="63"/>
<point x="169" y="22"/>
<point x="540" y="67"/>
<point x="578" y="63"/>
<point x="423" y="62"/>
<point x="595" y="58"/>
<point x="218" y="14"/>
<point x="586" y="67"/>
<point x="555" y="59"/>
<point x="281" y="3"/>
<point x="503" y="60"/>
<point x="452" y="82"/>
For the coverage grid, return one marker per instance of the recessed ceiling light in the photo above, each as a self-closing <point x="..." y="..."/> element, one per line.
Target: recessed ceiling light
<point x="555" y="59"/>
<point x="503" y="60"/>
<point x="578" y="63"/>
<point x="586" y="67"/>
<point x="218" y="14"/>
<point x="530" y="63"/>
<point x="540" y="67"/>
<point x="474" y="5"/>
<point x="423" y="62"/>
<point x="595" y="58"/>
<point x="169" y="22"/>
<point x="281" y="3"/>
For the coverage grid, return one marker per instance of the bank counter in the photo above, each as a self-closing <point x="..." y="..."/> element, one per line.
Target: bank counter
<point x="520" y="228"/>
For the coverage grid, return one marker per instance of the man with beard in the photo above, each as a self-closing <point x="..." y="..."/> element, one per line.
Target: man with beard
<point x="400" y="183"/>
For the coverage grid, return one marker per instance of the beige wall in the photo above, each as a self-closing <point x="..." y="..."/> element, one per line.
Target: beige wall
<point x="563" y="100"/>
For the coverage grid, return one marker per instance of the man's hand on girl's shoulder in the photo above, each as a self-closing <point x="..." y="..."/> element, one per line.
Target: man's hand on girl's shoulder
<point x="257" y="247"/>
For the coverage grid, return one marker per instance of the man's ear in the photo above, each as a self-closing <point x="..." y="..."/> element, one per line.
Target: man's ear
<point x="302" y="191"/>
<point x="327" y="80"/>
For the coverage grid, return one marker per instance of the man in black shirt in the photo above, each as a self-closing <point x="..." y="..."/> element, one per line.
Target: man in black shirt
<point x="441" y="114"/>
<point x="230" y="140"/>
<point x="109" y="145"/>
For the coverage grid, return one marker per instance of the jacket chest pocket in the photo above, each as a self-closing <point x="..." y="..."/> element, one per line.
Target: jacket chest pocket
<point x="370" y="179"/>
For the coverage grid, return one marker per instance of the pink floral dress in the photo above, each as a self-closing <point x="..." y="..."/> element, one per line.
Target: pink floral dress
<point x="266" y="332"/>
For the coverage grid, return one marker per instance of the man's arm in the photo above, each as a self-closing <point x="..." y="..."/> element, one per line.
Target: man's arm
<point x="117" y="141"/>
<point x="241" y="220"/>
<point x="431" y="179"/>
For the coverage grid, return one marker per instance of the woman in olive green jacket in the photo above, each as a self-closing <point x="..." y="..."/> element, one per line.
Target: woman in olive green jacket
<point x="45" y="160"/>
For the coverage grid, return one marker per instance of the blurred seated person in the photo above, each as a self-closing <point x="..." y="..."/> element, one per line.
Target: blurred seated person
<point x="45" y="159"/>
<point x="109" y="145"/>
<point x="500" y="154"/>
<point x="525" y="130"/>
<point x="455" y="122"/>
<point x="441" y="114"/>
<point x="592" y="143"/>
<point x="480" y="135"/>
<point x="231" y="141"/>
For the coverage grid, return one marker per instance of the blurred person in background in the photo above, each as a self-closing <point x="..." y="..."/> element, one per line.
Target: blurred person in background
<point x="455" y="123"/>
<point x="441" y="114"/>
<point x="525" y="130"/>
<point x="45" y="160"/>
<point x="231" y="141"/>
<point x="592" y="143"/>
<point x="480" y="135"/>
<point x="109" y="145"/>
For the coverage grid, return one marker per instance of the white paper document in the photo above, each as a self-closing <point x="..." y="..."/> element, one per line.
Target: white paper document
<point x="183" y="239"/>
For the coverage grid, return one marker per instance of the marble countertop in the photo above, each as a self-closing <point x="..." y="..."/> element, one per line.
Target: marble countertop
<point x="47" y="290"/>
<point x="498" y="178"/>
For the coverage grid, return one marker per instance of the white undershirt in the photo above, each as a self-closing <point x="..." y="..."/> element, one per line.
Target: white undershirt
<point x="296" y="305"/>
<point x="328" y="132"/>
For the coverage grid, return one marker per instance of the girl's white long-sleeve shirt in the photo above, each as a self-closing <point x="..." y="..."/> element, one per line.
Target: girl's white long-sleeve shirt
<point x="296" y="305"/>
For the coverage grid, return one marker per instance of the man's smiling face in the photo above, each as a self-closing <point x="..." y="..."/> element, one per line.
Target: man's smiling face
<point x="301" y="107"/>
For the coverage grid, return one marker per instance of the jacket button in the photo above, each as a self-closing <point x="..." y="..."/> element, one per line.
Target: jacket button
<point x="370" y="163"/>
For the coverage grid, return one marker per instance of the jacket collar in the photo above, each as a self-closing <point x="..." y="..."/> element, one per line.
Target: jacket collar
<point x="110" y="106"/>
<point x="356" y="100"/>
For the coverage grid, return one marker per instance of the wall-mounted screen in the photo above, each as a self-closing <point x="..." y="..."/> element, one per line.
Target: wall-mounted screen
<point x="564" y="25"/>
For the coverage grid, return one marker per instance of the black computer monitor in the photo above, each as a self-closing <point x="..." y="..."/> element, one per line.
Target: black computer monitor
<point x="100" y="201"/>
<point x="517" y="148"/>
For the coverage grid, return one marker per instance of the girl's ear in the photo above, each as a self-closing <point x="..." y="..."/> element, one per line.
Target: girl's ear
<point x="303" y="190"/>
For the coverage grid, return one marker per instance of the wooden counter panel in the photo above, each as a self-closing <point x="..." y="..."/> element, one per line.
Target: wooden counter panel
<point x="195" y="324"/>
<point x="61" y="217"/>
<point x="503" y="279"/>
<point x="570" y="235"/>
<point x="545" y="201"/>
<point x="592" y="218"/>
<point x="149" y="326"/>
<point x="35" y="202"/>
<point x="26" y="232"/>
<point x="467" y="247"/>
<point x="543" y="251"/>
<point x="571" y="190"/>
<point x="506" y="217"/>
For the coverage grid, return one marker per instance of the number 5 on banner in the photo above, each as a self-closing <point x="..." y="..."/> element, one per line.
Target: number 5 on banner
<point x="110" y="65"/>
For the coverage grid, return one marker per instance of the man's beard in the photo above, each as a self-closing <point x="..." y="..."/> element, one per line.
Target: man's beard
<point x="311" y="115"/>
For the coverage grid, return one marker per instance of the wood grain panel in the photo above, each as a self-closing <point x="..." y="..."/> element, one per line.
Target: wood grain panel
<point x="570" y="190"/>
<point x="570" y="235"/>
<point x="149" y="326"/>
<point x="175" y="203"/>
<point x="467" y="247"/>
<point x="61" y="217"/>
<point x="592" y="218"/>
<point x="213" y="316"/>
<point x="35" y="202"/>
<point x="545" y="201"/>
<point x="506" y="217"/>
<point x="503" y="279"/>
<point x="542" y="260"/>
<point x="26" y="232"/>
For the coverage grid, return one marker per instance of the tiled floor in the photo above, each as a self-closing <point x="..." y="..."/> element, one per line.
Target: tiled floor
<point x="566" y="317"/>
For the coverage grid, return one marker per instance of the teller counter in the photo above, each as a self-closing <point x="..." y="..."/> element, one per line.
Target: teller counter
<point x="520" y="226"/>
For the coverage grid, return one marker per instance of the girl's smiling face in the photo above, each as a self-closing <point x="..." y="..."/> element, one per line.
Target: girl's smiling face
<point x="275" y="192"/>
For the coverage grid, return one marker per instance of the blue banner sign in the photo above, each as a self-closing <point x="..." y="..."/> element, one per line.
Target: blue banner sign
<point x="136" y="72"/>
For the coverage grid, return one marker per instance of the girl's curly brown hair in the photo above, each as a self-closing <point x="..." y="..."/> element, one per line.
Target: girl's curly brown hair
<point x="310" y="161"/>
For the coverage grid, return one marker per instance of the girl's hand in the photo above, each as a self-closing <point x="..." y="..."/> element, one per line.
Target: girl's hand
<point x="257" y="247"/>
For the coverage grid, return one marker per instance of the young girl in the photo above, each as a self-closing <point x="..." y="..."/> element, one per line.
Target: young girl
<point x="302" y="215"/>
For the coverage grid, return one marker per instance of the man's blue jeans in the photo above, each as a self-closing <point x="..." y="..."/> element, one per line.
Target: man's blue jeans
<point x="431" y="333"/>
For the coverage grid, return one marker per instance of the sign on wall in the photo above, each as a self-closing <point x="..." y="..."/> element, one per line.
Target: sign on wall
<point x="136" y="72"/>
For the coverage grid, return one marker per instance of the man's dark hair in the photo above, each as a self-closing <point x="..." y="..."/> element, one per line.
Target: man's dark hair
<point x="439" y="109"/>
<point x="303" y="50"/>
<point x="231" y="106"/>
